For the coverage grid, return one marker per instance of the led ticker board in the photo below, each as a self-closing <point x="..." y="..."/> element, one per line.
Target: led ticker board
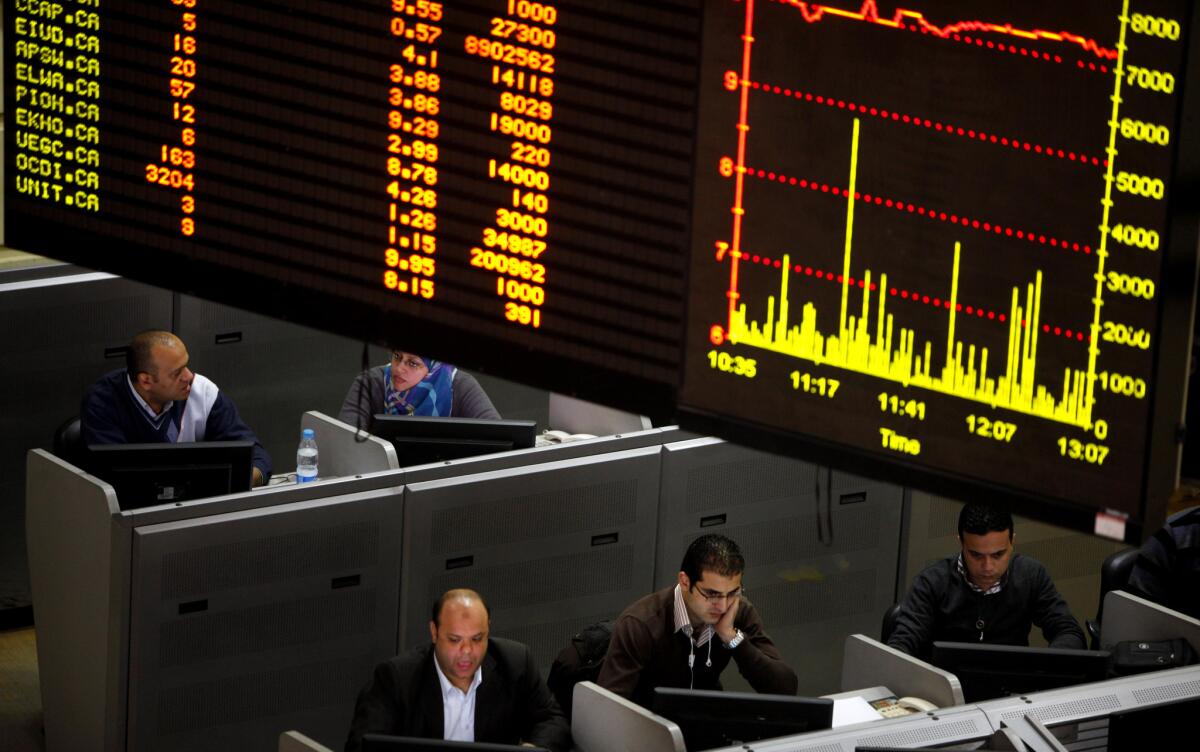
<point x="496" y="181"/>
<point x="934" y="232"/>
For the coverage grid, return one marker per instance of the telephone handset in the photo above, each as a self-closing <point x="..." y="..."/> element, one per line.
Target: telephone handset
<point x="916" y="704"/>
<point x="892" y="707"/>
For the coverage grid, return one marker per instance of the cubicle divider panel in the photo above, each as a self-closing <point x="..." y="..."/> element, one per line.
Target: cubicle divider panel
<point x="487" y="463"/>
<point x="79" y="569"/>
<point x="248" y="624"/>
<point x="821" y="547"/>
<point x="344" y="450"/>
<point x="59" y="336"/>
<point x="551" y="547"/>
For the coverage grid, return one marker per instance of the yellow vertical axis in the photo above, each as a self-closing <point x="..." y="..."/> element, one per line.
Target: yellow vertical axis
<point x="953" y="307"/>
<point x="849" y="233"/>
<point x="1085" y="410"/>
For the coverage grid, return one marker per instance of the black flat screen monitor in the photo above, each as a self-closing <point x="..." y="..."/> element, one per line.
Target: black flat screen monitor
<point x="421" y="440"/>
<point x="991" y="671"/>
<point x="1132" y="729"/>
<point x="710" y="719"/>
<point x="384" y="743"/>
<point x="146" y="475"/>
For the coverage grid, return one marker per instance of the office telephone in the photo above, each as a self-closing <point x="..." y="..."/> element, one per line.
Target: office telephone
<point x="892" y="707"/>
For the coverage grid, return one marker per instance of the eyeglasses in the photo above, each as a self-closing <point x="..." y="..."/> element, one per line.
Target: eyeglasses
<point x="410" y="363"/>
<point x="713" y="596"/>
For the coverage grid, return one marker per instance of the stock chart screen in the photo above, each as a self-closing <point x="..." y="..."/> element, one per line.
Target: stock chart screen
<point x="500" y="174"/>
<point x="934" y="231"/>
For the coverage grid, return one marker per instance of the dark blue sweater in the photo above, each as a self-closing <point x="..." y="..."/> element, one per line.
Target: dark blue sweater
<point x="111" y="415"/>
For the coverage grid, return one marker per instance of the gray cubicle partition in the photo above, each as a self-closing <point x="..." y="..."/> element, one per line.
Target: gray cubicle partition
<point x="1128" y="617"/>
<point x="869" y="663"/>
<point x="551" y="547"/>
<point x="79" y="572"/>
<point x="651" y="437"/>
<point x="82" y="561"/>
<point x="606" y="722"/>
<point x="343" y="450"/>
<point x="249" y="624"/>
<point x="60" y="334"/>
<point x="821" y="546"/>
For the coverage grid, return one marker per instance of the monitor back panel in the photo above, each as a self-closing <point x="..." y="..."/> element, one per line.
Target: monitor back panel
<point x="821" y="546"/>
<point x="249" y="624"/>
<point x="551" y="548"/>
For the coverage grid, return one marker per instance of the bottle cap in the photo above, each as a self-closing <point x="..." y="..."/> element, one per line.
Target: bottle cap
<point x="307" y="434"/>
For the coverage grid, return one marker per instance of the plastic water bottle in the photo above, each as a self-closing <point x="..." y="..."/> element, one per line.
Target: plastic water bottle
<point x="306" y="457"/>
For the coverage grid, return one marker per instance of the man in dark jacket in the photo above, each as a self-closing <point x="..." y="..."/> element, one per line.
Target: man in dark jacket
<point x="463" y="686"/>
<point x="1167" y="570"/>
<point x="984" y="593"/>
<point x="666" y="639"/>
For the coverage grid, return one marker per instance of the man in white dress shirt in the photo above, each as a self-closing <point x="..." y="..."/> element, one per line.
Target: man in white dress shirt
<point x="463" y="685"/>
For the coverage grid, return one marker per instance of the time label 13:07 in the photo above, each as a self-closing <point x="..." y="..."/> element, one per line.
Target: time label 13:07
<point x="512" y="248"/>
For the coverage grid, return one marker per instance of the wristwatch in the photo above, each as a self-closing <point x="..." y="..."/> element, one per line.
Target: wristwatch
<point x="737" y="640"/>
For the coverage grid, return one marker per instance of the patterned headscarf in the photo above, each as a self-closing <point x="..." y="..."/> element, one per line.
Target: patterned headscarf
<point x="432" y="395"/>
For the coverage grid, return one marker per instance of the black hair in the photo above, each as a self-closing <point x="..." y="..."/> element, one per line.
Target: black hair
<point x="714" y="553"/>
<point x="981" y="519"/>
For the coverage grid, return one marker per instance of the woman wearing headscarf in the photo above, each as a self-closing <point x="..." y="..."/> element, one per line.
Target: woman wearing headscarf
<point x="412" y="385"/>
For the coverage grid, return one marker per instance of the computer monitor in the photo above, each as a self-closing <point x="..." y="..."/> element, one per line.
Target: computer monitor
<point x="711" y="719"/>
<point x="1132" y="728"/>
<point x="385" y="743"/>
<point x="990" y="671"/>
<point x="145" y="475"/>
<point x="420" y="440"/>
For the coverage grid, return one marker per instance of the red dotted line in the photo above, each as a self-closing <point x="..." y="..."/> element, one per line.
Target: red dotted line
<point x="1022" y="51"/>
<point x="912" y="295"/>
<point x="953" y="219"/>
<point x="931" y="124"/>
<point x="991" y="45"/>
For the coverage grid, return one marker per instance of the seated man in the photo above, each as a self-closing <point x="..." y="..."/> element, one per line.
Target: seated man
<point x="1167" y="570"/>
<point x="666" y="638"/>
<point x="463" y="686"/>
<point x="984" y="593"/>
<point x="157" y="399"/>
<point x="416" y="386"/>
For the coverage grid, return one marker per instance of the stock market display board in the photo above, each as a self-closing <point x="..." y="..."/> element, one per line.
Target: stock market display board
<point x="935" y="231"/>
<point x="933" y="236"/>
<point x="514" y="172"/>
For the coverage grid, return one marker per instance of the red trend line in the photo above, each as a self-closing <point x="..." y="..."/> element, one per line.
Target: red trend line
<point x="935" y="125"/>
<point x="869" y="13"/>
<point x="954" y="219"/>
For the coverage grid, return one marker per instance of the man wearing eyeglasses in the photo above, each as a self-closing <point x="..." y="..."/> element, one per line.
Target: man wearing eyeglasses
<point x="685" y="635"/>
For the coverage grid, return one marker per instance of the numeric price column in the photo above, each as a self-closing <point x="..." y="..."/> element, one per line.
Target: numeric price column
<point x="412" y="149"/>
<point x="177" y="160"/>
<point x="520" y="44"/>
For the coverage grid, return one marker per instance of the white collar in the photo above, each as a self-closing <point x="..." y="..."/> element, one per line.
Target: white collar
<point x="448" y="688"/>
<point x="153" y="416"/>
<point x="683" y="622"/>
